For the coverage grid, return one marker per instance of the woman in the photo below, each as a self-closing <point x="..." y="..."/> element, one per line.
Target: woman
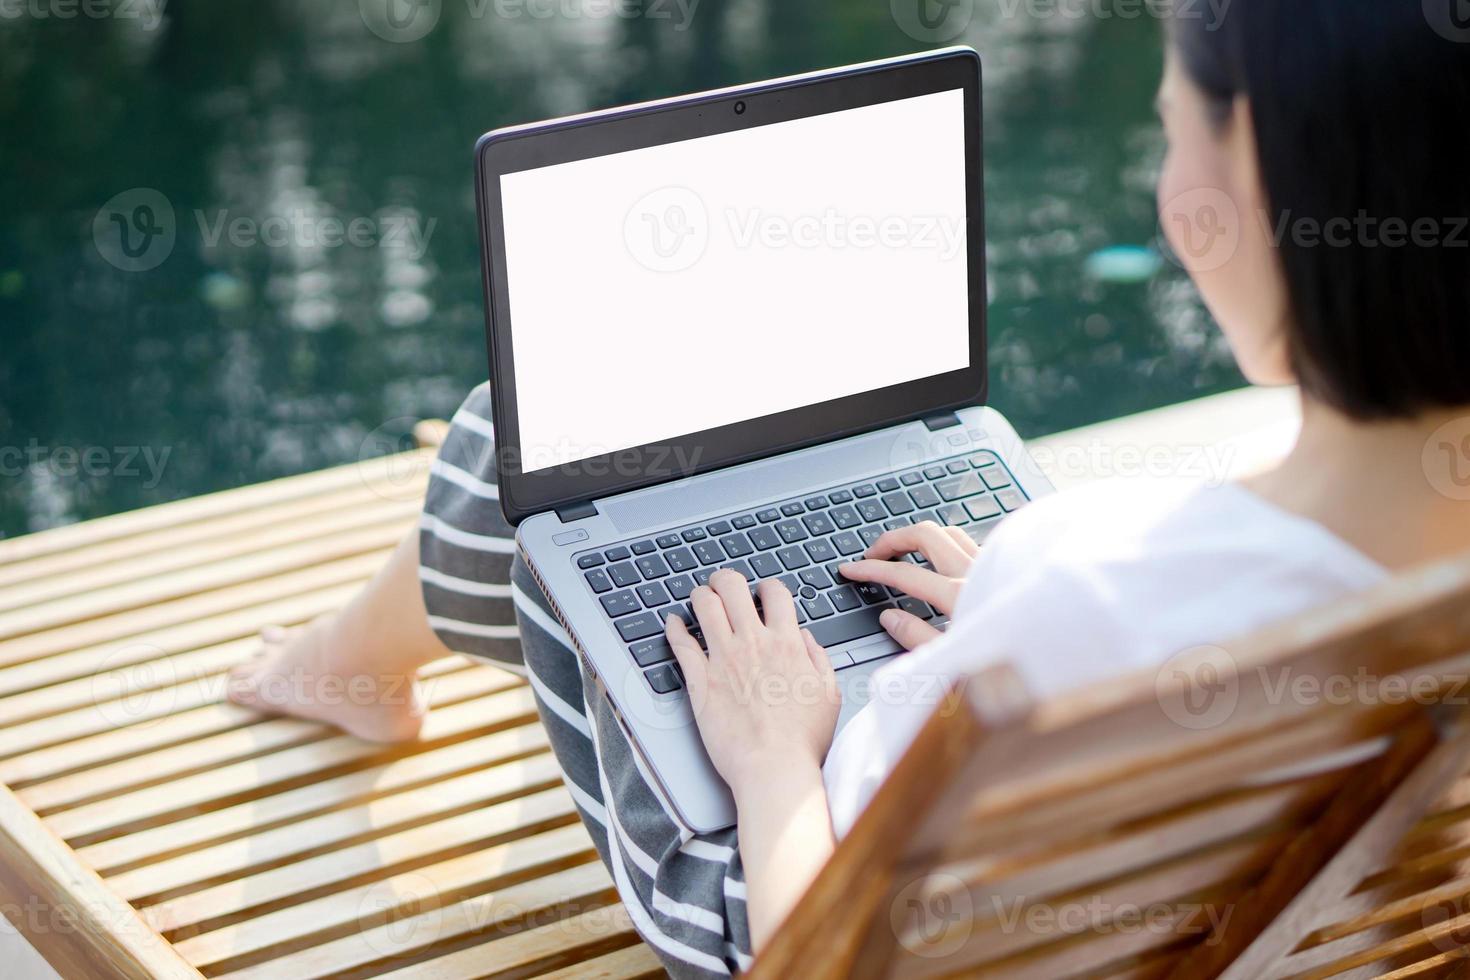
<point x="1288" y="116"/>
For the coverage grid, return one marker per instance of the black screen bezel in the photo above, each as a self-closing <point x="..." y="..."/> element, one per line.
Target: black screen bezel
<point x="507" y="151"/>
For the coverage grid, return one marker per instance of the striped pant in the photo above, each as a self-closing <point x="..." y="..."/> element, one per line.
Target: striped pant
<point x="685" y="892"/>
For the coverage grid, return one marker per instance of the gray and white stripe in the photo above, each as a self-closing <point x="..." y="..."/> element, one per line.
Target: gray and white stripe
<point x="684" y="892"/>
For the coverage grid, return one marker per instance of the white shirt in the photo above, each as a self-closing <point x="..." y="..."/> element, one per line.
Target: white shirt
<point x="1095" y="582"/>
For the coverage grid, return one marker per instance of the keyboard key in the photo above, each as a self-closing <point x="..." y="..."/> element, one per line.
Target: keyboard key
<point x="736" y="545"/>
<point x="639" y="627"/>
<point x="743" y="567"/>
<point x="871" y="534"/>
<point x="764" y="538"/>
<point x="848" y="543"/>
<point x="618" y="554"/>
<point x="872" y="510"/>
<point x="679" y="609"/>
<point x="844" y="517"/>
<point x="816" y="578"/>
<point x="982" y="460"/>
<point x="849" y="626"/>
<point x="703" y="575"/>
<point x="664" y="679"/>
<point x="954" y="515"/>
<point x="792" y="583"/>
<point x="792" y="509"/>
<point x="924" y="497"/>
<point x="624" y="574"/>
<point x="821" y="550"/>
<point x="899" y="503"/>
<point x="925" y="515"/>
<point x="1010" y="498"/>
<point x="791" y="531"/>
<point x="996" y="477"/>
<point x="695" y="534"/>
<point x="982" y="508"/>
<point x="681" y="560"/>
<point x="653" y="595"/>
<point x="911" y="479"/>
<point x="818" y="608"/>
<point x="718" y="528"/>
<point x="958" y="466"/>
<point x="643" y="548"/>
<point x="844" y="598"/>
<point x="866" y="490"/>
<point x="680" y="586"/>
<point x="669" y="541"/>
<point x="818" y="502"/>
<point x="768" y="515"/>
<point x="652" y="566"/>
<point x="979" y="532"/>
<point x="765" y="565"/>
<point x="818" y="524"/>
<point x="887" y="485"/>
<point x="621" y="603"/>
<point x="589" y="561"/>
<point x="744" y="522"/>
<point x="599" y="581"/>
<point x="841" y="497"/>
<point x="871" y="593"/>
<point x="934" y="472"/>
<point x="916" y="608"/>
<point x="956" y="487"/>
<point x="793" y="557"/>
<point x="646" y="653"/>
<point x="709" y="552"/>
<point x="895" y="524"/>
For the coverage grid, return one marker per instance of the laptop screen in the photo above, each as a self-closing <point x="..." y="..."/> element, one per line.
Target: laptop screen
<point x="683" y="287"/>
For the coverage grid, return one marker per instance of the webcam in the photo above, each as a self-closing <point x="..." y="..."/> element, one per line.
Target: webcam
<point x="740" y="108"/>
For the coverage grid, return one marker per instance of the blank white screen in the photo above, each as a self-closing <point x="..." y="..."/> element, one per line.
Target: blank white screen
<point x="664" y="291"/>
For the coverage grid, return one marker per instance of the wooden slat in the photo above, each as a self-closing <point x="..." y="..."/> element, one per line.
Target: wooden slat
<point x="629" y="963"/>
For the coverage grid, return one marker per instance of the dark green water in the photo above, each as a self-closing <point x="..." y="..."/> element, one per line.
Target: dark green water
<point x="241" y="360"/>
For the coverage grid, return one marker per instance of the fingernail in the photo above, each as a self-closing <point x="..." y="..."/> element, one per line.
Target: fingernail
<point x="889" y="618"/>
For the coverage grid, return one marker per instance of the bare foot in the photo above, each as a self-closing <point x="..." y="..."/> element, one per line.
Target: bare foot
<point x="307" y="673"/>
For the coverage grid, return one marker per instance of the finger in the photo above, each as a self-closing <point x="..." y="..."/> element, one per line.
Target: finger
<point x="967" y="544"/>
<point x="908" y="629"/>
<point x="709" y="609"/>
<point x="733" y="591"/>
<point x="687" y="652"/>
<point x="820" y="660"/>
<point x="929" y="540"/>
<point x="777" y="605"/>
<point x="921" y="583"/>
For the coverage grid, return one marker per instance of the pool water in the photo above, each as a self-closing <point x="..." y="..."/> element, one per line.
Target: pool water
<point x="228" y="346"/>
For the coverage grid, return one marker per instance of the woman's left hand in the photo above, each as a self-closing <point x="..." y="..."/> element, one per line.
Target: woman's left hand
<point x="766" y="695"/>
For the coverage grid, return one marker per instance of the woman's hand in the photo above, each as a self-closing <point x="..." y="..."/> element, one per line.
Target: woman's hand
<point x="949" y="550"/>
<point x="766" y="695"/>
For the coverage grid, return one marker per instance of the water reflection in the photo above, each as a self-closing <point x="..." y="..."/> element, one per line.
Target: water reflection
<point x="257" y="349"/>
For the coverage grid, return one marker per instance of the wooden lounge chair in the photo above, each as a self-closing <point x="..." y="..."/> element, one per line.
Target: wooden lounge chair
<point x="149" y="830"/>
<point x="1292" y="806"/>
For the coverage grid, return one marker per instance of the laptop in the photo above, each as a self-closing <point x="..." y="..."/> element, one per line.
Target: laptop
<point x="743" y="328"/>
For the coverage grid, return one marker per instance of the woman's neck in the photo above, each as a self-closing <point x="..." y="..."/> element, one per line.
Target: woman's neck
<point x="1397" y="491"/>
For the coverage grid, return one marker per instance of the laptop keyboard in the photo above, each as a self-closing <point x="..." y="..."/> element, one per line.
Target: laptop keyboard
<point x="802" y="542"/>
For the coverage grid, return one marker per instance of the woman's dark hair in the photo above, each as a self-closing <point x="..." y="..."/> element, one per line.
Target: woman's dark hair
<point x="1362" y="118"/>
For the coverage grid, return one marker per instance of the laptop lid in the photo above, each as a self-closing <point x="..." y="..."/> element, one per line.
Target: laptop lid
<point x="681" y="286"/>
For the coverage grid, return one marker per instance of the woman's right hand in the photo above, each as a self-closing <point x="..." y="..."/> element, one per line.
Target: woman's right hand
<point x="950" y="552"/>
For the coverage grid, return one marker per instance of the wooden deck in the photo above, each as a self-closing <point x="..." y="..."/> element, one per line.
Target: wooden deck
<point x="149" y="830"/>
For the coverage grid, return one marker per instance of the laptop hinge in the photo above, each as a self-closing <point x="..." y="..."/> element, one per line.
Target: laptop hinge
<point x="577" y="512"/>
<point x="942" y="421"/>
